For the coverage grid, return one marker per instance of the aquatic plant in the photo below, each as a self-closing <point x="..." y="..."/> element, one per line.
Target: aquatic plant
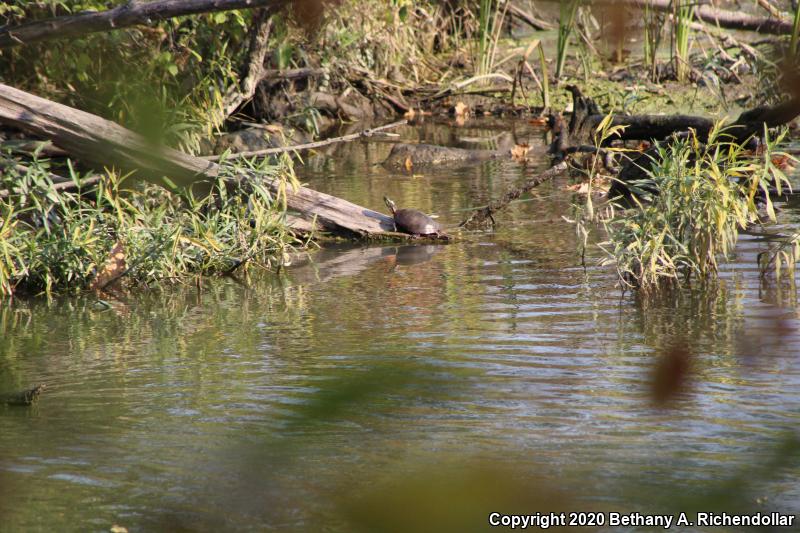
<point x="793" y="47"/>
<point x="54" y="240"/>
<point x="653" y="24"/>
<point x="566" y="23"/>
<point x="705" y="193"/>
<point x="683" y="13"/>
<point x="491" y="14"/>
<point x="783" y="255"/>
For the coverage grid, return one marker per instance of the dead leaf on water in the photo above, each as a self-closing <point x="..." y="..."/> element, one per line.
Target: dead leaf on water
<point x="520" y="151"/>
<point x="113" y="268"/>
<point x="409" y="164"/>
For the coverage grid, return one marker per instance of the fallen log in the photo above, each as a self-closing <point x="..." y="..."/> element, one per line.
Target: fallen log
<point x="103" y="143"/>
<point x="133" y="13"/>
<point x="585" y="120"/>
<point x="734" y="20"/>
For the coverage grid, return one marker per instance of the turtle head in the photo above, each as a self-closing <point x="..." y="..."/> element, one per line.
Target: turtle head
<point x="390" y="204"/>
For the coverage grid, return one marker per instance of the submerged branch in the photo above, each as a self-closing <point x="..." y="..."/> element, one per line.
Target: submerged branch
<point x="481" y="215"/>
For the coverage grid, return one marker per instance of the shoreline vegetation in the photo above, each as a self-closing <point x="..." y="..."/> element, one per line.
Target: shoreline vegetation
<point x="145" y="142"/>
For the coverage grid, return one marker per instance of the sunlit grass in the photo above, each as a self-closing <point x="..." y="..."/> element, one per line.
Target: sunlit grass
<point x="705" y="194"/>
<point x="56" y="241"/>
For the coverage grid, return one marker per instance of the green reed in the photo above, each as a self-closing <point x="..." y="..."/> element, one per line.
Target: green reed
<point x="683" y="13"/>
<point x="491" y="14"/>
<point x="795" y="32"/>
<point x="706" y="194"/>
<point x="54" y="240"/>
<point x="568" y="10"/>
<point x="652" y="38"/>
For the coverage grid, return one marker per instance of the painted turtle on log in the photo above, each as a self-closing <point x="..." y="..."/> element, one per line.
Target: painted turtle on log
<point x="414" y="222"/>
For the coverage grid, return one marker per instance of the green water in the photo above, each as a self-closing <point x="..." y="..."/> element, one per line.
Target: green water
<point x="380" y="388"/>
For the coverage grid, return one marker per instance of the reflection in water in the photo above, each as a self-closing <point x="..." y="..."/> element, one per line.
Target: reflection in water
<point x="412" y="254"/>
<point x="370" y="388"/>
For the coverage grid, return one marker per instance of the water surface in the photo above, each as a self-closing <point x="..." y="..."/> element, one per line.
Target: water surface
<point x="282" y="401"/>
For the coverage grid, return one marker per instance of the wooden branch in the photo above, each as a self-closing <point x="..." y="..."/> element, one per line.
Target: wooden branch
<point x="104" y="143"/>
<point x="29" y="147"/>
<point x="291" y="73"/>
<point x="133" y="13"/>
<point x="529" y="19"/>
<point x="735" y="20"/>
<point x="481" y="215"/>
<point x="60" y="183"/>
<point x="307" y="146"/>
<point x="772" y="10"/>
<point x="259" y="46"/>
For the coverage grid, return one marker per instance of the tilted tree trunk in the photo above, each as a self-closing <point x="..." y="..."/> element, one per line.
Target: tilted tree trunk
<point x="133" y="13"/>
<point x="102" y="143"/>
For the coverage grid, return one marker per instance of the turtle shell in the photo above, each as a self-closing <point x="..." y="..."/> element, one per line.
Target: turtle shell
<point x="415" y="222"/>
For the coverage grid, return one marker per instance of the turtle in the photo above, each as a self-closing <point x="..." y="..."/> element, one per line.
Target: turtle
<point x="414" y="222"/>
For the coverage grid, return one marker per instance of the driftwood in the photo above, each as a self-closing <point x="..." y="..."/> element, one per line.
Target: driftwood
<point x="103" y="143"/>
<point x="26" y="397"/>
<point x="486" y="213"/>
<point x="307" y="146"/>
<point x="734" y="20"/>
<point x="133" y="13"/>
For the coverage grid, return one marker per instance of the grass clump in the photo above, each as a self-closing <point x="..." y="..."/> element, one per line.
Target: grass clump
<point x="695" y="199"/>
<point x="54" y="240"/>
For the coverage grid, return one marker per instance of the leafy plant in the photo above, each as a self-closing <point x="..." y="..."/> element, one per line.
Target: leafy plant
<point x="653" y="24"/>
<point x="793" y="47"/>
<point x="705" y="194"/>
<point x="683" y="13"/>
<point x="53" y="240"/>
<point x="491" y="14"/>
